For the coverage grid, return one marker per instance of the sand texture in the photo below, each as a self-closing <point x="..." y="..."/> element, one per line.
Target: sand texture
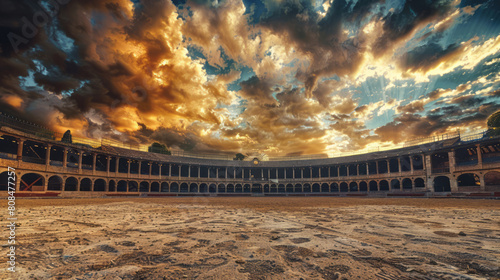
<point x="256" y="238"/>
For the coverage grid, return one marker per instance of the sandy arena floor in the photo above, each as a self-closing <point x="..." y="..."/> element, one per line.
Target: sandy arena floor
<point x="256" y="238"/>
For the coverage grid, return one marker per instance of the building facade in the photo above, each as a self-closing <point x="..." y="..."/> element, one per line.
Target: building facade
<point x="47" y="167"/>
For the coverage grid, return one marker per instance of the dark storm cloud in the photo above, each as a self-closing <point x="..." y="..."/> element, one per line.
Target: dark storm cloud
<point x="400" y="24"/>
<point x="426" y="57"/>
<point x="258" y="90"/>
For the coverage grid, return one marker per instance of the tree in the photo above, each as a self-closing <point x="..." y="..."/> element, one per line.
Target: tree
<point x="158" y="148"/>
<point x="67" y="138"/>
<point x="239" y="156"/>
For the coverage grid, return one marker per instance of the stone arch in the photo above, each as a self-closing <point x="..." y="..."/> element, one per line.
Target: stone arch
<point x="307" y="188"/>
<point x="373" y="186"/>
<point x="193" y="187"/>
<point x="230" y="188"/>
<point x="344" y="187"/>
<point x="325" y="187"/>
<point x="55" y="183"/>
<point x="407" y="184"/>
<point x="282" y="188"/>
<point x="238" y="188"/>
<point x="383" y="185"/>
<point x="492" y="178"/>
<point x="133" y="186"/>
<point x="297" y="188"/>
<point x="144" y="186"/>
<point x="71" y="184"/>
<point x="111" y="186"/>
<point x="212" y="188"/>
<point x="395" y="184"/>
<point x="274" y="188"/>
<point x="442" y="184"/>
<point x="316" y="187"/>
<point x="122" y="186"/>
<point x="203" y="188"/>
<point x="419" y="183"/>
<point x="266" y="188"/>
<point x="164" y="187"/>
<point x="468" y="180"/>
<point x="174" y="187"/>
<point x="289" y="188"/>
<point x="247" y="188"/>
<point x="155" y="187"/>
<point x="363" y="186"/>
<point x="184" y="187"/>
<point x="221" y="188"/>
<point x="85" y="185"/>
<point x="353" y="187"/>
<point x="99" y="185"/>
<point x="334" y="187"/>
<point x="32" y="182"/>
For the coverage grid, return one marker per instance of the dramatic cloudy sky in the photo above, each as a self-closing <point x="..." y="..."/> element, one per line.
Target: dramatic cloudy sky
<point x="273" y="76"/>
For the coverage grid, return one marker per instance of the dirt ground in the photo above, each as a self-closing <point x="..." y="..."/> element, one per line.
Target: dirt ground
<point x="255" y="238"/>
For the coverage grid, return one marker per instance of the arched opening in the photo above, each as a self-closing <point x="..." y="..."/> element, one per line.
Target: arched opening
<point x="144" y="187"/>
<point x="238" y="188"/>
<point x="122" y="186"/>
<point x="363" y="186"/>
<point x="334" y="187"/>
<point x="442" y="184"/>
<point x="184" y="187"/>
<point x="32" y="182"/>
<point x="282" y="188"/>
<point x="133" y="186"/>
<point x="289" y="188"/>
<point x="407" y="184"/>
<point x="325" y="187"/>
<point x="85" y="185"/>
<point x="4" y="181"/>
<point x="256" y="188"/>
<point x="274" y="188"/>
<point x="174" y="187"/>
<point x="155" y="187"/>
<point x="55" y="183"/>
<point x="307" y="188"/>
<point x="316" y="187"/>
<point x="383" y="185"/>
<point x="164" y="187"/>
<point x="247" y="188"/>
<point x="222" y="188"/>
<point x="373" y="186"/>
<point x="99" y="185"/>
<point x="395" y="184"/>
<point x="468" y="180"/>
<point x="419" y="183"/>
<point x="344" y="187"/>
<point x="203" y="188"/>
<point x="266" y="188"/>
<point x="353" y="187"/>
<point x="212" y="188"/>
<point x="193" y="188"/>
<point x="112" y="186"/>
<point x="230" y="188"/>
<point x="492" y="178"/>
<point x="71" y="184"/>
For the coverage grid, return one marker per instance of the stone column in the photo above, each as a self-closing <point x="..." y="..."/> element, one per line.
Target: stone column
<point x="357" y="169"/>
<point x="94" y="162"/>
<point x="169" y="172"/>
<point x="338" y="173"/>
<point x="329" y="175"/>
<point x="302" y="174"/>
<point x="225" y="174"/>
<point x="47" y="154"/>
<point x="128" y="168"/>
<point x="80" y="160"/>
<point x="399" y="165"/>
<point x="20" y="144"/>
<point x="293" y="173"/>
<point x="376" y="167"/>
<point x="451" y="160"/>
<point x="428" y="172"/>
<point x="367" y="170"/>
<point x="347" y="170"/>
<point x="189" y="172"/>
<point x="199" y="176"/>
<point x="117" y="165"/>
<point x="411" y="166"/>
<point x="159" y="172"/>
<point x="180" y="165"/>
<point x="108" y="164"/>
<point x="140" y="168"/>
<point x="150" y="171"/>
<point x="479" y="156"/>
<point x="65" y="157"/>
<point x="482" y="183"/>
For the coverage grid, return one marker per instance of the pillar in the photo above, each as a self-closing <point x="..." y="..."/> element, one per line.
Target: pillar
<point x="117" y="164"/>
<point x="451" y="160"/>
<point x="482" y="183"/>
<point x="180" y="165"/>
<point x="367" y="170"/>
<point x="479" y="156"/>
<point x="108" y="163"/>
<point x="140" y="170"/>
<point x="20" y="144"/>
<point x="411" y="166"/>
<point x="376" y="167"/>
<point x="94" y="161"/>
<point x="80" y="159"/>
<point x="399" y="165"/>
<point x="65" y="157"/>
<point x="293" y="174"/>
<point x="428" y="172"/>
<point x="189" y="172"/>
<point x="159" y="172"/>
<point x="128" y="169"/>
<point x="169" y="172"/>
<point x="199" y="172"/>
<point x="150" y="171"/>
<point x="47" y="154"/>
